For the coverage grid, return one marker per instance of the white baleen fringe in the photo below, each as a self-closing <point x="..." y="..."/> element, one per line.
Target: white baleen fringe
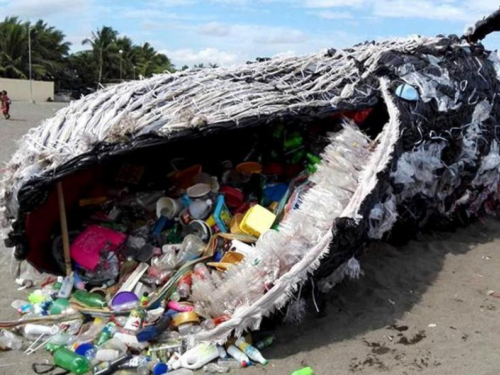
<point x="284" y="259"/>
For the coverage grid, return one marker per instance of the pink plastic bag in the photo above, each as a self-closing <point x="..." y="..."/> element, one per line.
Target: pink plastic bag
<point x="86" y="248"/>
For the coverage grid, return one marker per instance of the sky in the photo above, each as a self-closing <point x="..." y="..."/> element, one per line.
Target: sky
<point x="229" y="32"/>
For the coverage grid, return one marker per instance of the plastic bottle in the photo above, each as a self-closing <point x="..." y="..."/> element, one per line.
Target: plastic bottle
<point x="115" y="344"/>
<point x="112" y="367"/>
<point x="222" y="352"/>
<point x="201" y="270"/>
<point x="90" y="299"/>
<point x="107" y="355"/>
<point x="33" y="331"/>
<point x="265" y="342"/>
<point x="108" y="331"/>
<point x="92" y="332"/>
<point x="304" y="371"/>
<point x="10" y="340"/>
<point x="199" y="356"/>
<point x="66" y="286"/>
<point x="192" y="248"/>
<point x="231" y="363"/>
<point x="237" y="354"/>
<point x="154" y="367"/>
<point x="251" y="351"/>
<point x="153" y="331"/>
<point x="214" y="368"/>
<point x="71" y="361"/>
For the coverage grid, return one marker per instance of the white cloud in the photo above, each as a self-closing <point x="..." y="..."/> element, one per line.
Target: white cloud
<point x="441" y="10"/>
<point x="40" y="9"/>
<point x="215" y="29"/>
<point x="256" y="34"/>
<point x="330" y="15"/>
<point x="190" y="57"/>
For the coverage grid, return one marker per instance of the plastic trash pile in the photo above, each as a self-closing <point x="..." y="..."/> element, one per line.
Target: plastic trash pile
<point x="141" y="258"/>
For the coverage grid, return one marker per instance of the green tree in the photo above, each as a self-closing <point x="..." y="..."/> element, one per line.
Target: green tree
<point x="49" y="49"/>
<point x="105" y="50"/>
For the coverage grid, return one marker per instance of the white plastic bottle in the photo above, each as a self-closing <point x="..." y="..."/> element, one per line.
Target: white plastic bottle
<point x="251" y="351"/>
<point x="237" y="354"/>
<point x="199" y="356"/>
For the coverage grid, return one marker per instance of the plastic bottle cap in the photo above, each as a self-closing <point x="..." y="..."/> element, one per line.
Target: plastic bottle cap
<point x="160" y="368"/>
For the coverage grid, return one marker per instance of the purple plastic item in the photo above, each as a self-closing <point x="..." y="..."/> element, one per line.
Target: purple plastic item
<point x="124" y="300"/>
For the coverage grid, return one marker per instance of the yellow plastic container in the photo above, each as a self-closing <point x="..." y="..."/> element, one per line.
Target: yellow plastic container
<point x="257" y="220"/>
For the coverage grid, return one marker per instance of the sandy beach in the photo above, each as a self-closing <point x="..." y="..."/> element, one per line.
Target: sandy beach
<point x="422" y="308"/>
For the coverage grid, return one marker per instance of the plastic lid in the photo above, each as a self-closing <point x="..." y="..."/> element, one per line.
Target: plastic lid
<point x="199" y="190"/>
<point x="249" y="167"/>
<point x="160" y="368"/>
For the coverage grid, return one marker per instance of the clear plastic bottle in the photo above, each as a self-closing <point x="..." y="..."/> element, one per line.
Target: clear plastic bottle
<point x="201" y="270"/>
<point x="231" y="363"/>
<point x="10" y="340"/>
<point x="215" y="368"/>
<point x="192" y="248"/>
<point x="67" y="286"/>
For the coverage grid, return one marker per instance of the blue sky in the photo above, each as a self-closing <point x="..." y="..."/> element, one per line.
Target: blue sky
<point x="234" y="31"/>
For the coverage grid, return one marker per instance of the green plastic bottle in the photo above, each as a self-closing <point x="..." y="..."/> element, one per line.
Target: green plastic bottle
<point x="304" y="371"/>
<point x="106" y="333"/>
<point x="90" y="299"/>
<point x="71" y="361"/>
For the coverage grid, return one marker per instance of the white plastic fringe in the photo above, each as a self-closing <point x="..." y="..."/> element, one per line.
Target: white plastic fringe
<point x="284" y="258"/>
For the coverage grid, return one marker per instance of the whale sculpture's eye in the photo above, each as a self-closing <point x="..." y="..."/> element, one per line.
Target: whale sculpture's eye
<point x="407" y="92"/>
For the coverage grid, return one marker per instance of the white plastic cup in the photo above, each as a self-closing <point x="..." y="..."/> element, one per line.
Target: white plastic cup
<point x="167" y="207"/>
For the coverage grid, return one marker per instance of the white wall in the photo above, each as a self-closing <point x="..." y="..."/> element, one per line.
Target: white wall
<point x="19" y="89"/>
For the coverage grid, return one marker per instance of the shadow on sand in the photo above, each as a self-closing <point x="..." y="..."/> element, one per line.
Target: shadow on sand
<point x="394" y="281"/>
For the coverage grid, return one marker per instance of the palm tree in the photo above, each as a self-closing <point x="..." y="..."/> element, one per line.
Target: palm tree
<point x="151" y="62"/>
<point x="13" y="48"/>
<point x="104" y="47"/>
<point x="49" y="49"/>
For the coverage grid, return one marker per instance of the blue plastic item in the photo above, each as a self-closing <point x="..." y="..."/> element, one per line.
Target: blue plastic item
<point x="160" y="368"/>
<point x="407" y="92"/>
<point x="275" y="192"/>
<point x="84" y="348"/>
<point x="221" y="214"/>
<point x="153" y="331"/>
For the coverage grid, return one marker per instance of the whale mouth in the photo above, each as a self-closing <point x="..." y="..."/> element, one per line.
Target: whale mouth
<point x="307" y="240"/>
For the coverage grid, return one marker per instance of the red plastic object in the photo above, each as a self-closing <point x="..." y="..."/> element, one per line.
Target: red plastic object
<point x="233" y="197"/>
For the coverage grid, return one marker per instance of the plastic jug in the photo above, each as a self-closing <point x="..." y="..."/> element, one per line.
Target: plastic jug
<point x="199" y="356"/>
